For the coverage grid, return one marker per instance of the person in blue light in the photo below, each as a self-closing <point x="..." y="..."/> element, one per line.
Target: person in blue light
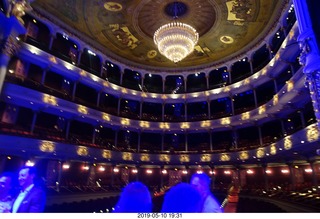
<point x="32" y="198"/>
<point x="135" y="198"/>
<point x="201" y="182"/>
<point x="182" y="198"/>
<point x="6" y="196"/>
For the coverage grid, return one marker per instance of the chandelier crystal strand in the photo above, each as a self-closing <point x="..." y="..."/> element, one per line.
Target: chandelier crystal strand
<point x="176" y="40"/>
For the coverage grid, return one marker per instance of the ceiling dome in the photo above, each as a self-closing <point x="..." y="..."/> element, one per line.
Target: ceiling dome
<point x="124" y="29"/>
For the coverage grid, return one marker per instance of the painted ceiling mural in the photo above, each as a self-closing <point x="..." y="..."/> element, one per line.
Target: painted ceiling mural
<point x="125" y="28"/>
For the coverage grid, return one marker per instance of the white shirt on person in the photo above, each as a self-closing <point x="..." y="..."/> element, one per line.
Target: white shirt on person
<point x="20" y="198"/>
<point x="211" y="205"/>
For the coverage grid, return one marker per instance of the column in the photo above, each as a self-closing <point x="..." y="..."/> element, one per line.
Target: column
<point x="185" y="111"/>
<point x="232" y="105"/>
<point x="213" y="176"/>
<point x="9" y="44"/>
<point x="112" y="175"/>
<point x="68" y="129"/>
<point x="119" y="104"/>
<point x="314" y="174"/>
<point x="207" y="81"/>
<point x="310" y="56"/>
<point x="162" y="112"/>
<point x="79" y="57"/>
<point x="121" y="77"/>
<point x="251" y="65"/>
<point x="284" y="131"/>
<point x="265" y="176"/>
<point x="162" y="141"/>
<point x="260" y="135"/>
<point x="234" y="138"/>
<point x="292" y="176"/>
<point x="34" y="119"/>
<point x="98" y="98"/>
<point x="270" y="51"/>
<point x="94" y="133"/>
<point x="139" y="141"/>
<point x="142" y="83"/>
<point x="255" y="97"/>
<point x="44" y="74"/>
<point x="209" y="109"/>
<point x="161" y="175"/>
<point x="303" y="121"/>
<point x="74" y="90"/>
<point x="186" y="141"/>
<point x="210" y="138"/>
<point x="230" y="75"/>
<point x="163" y="85"/>
<point x="116" y="138"/>
<point x="52" y="38"/>
<point x="140" y="110"/>
<point x="60" y="165"/>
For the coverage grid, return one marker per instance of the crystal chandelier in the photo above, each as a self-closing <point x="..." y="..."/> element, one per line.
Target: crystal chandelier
<point x="176" y="40"/>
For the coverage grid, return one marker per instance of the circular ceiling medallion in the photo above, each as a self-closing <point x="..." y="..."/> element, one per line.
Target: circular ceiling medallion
<point x="153" y="14"/>
<point x="226" y="39"/>
<point x="112" y="6"/>
<point x="152" y="53"/>
<point x="176" y="9"/>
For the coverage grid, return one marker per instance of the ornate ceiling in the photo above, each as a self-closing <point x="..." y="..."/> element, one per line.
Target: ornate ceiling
<point x="125" y="27"/>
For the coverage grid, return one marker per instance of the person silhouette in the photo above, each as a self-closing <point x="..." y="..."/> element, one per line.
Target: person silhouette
<point x="31" y="197"/>
<point x="135" y="198"/>
<point x="6" y="196"/>
<point x="182" y="198"/>
<point x="201" y="182"/>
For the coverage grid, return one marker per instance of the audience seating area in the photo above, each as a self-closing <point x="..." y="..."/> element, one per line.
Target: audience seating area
<point x="103" y="200"/>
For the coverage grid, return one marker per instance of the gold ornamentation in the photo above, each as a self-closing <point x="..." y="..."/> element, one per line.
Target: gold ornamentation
<point x="82" y="151"/>
<point x="47" y="146"/>
<point x="184" y="158"/>
<point x="312" y="133"/>
<point x="112" y="6"/>
<point x="245" y="116"/>
<point x="205" y="158"/>
<point x="226" y="39"/>
<point x="260" y="153"/>
<point x="273" y="149"/>
<point x="164" y="158"/>
<point x="145" y="157"/>
<point x="152" y="53"/>
<point x="106" y="154"/>
<point x="244" y="155"/>
<point x="83" y="110"/>
<point x="225" y="157"/>
<point x="49" y="99"/>
<point x="287" y="143"/>
<point x="18" y="8"/>
<point x="127" y="156"/>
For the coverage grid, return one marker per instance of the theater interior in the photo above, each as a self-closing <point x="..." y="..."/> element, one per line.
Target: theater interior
<point x="87" y="97"/>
